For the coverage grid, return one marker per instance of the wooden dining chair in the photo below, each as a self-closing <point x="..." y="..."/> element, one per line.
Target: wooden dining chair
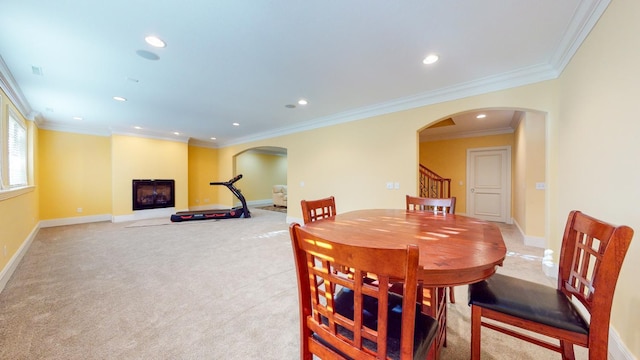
<point x="443" y="205"/>
<point x="347" y="317"/>
<point x="313" y="210"/>
<point x="591" y="256"/>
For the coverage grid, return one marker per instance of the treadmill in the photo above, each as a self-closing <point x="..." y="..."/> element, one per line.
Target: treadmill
<point x="235" y="212"/>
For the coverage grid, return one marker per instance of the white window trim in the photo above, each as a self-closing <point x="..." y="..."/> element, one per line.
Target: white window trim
<point x="7" y="192"/>
<point x="17" y="191"/>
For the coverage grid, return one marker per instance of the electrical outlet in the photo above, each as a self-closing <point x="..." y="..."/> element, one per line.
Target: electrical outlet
<point x="79" y="210"/>
<point x="5" y="250"/>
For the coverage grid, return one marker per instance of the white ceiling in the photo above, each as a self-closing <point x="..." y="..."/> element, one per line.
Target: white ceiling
<point x="243" y="61"/>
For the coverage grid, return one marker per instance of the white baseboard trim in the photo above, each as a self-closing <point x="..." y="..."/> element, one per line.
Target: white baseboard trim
<point x="75" y="220"/>
<point x="263" y="202"/>
<point x="535" y="241"/>
<point x="8" y="270"/>
<point x="617" y="349"/>
<point x="528" y="240"/>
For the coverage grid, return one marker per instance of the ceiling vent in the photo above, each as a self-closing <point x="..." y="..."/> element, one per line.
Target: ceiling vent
<point x="36" y="70"/>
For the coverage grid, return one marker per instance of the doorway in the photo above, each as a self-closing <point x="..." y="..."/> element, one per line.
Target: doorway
<point x="489" y="183"/>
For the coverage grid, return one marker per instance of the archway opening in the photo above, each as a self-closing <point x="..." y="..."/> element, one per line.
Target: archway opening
<point x="262" y="168"/>
<point x="444" y="145"/>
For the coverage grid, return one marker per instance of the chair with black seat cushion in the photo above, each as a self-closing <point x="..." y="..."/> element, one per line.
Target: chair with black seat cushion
<point x="346" y="317"/>
<point x="319" y="209"/>
<point x="591" y="256"/>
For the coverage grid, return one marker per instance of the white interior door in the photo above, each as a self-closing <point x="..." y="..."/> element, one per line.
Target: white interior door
<point x="489" y="183"/>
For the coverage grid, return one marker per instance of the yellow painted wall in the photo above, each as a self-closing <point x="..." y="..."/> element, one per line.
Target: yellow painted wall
<point x="18" y="214"/>
<point x="203" y="169"/>
<point x="76" y="170"/>
<point x="519" y="173"/>
<point x="597" y="146"/>
<point x="448" y="158"/>
<point x="534" y="224"/>
<point x="364" y="155"/>
<point x="143" y="158"/>
<point x="18" y="218"/>
<point x="260" y="172"/>
<point x="529" y="168"/>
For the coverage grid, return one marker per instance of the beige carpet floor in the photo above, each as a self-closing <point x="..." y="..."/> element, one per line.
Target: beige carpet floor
<point x="210" y="289"/>
<point x="281" y="209"/>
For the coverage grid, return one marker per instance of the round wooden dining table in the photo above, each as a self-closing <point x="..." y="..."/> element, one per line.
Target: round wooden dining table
<point x="454" y="249"/>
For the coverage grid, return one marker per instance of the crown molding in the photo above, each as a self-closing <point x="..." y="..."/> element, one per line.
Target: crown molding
<point x="108" y="132"/>
<point x="201" y="143"/>
<point x="11" y="88"/>
<point x="177" y="138"/>
<point x="511" y="79"/>
<point x="49" y="125"/>
<point x="584" y="19"/>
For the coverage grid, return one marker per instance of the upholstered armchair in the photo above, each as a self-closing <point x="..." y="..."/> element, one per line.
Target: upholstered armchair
<point x="280" y="195"/>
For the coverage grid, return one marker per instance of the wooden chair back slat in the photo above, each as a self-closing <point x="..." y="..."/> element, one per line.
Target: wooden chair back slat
<point x="590" y="260"/>
<point x="313" y="210"/>
<point x="444" y="205"/>
<point x="316" y="262"/>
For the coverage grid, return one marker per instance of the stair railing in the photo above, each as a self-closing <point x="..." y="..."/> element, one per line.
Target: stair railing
<point x="433" y="185"/>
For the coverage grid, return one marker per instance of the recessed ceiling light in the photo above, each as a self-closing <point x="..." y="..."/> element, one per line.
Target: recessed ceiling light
<point x="430" y="59"/>
<point x="481" y="116"/>
<point x="137" y="127"/>
<point x="213" y="138"/>
<point x="176" y="133"/>
<point x="302" y="102"/>
<point x="236" y="124"/>
<point x="119" y="98"/>
<point x="155" y="41"/>
<point x="77" y="118"/>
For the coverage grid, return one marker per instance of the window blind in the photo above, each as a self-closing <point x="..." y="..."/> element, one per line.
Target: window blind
<point x="17" y="152"/>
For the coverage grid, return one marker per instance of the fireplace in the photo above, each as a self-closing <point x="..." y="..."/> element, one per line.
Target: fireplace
<point x="153" y="194"/>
